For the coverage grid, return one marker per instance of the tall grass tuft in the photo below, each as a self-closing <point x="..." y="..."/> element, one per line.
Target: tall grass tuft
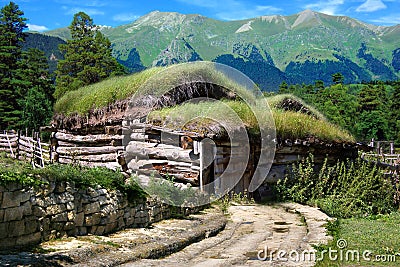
<point x="345" y="189"/>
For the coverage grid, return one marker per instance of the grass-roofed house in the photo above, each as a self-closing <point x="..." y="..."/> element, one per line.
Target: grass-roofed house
<point x="199" y="123"/>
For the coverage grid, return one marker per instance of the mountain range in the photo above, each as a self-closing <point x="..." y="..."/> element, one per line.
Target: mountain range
<point x="300" y="48"/>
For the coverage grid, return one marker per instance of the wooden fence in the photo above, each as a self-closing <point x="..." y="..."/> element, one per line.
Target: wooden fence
<point x="21" y="146"/>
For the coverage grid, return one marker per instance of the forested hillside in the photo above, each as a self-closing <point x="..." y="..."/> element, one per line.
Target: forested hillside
<point x="299" y="48"/>
<point x="369" y="110"/>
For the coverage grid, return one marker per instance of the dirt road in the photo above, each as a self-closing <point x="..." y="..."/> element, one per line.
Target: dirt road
<point x="285" y="231"/>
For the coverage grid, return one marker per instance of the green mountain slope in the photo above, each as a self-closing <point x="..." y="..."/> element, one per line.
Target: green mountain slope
<point x="304" y="47"/>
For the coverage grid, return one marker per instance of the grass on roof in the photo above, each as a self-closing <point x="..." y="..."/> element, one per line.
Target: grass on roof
<point x="153" y="81"/>
<point x="276" y="100"/>
<point x="101" y="94"/>
<point x="289" y="124"/>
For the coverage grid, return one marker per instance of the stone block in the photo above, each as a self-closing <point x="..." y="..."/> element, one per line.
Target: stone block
<point x="100" y="230"/>
<point x="11" y="199"/>
<point x="111" y="227"/>
<point x="38" y="211"/>
<point x="13" y="214"/>
<point x="1" y="215"/>
<point x="26" y="195"/>
<point x="3" y="230"/>
<point x="57" y="226"/>
<point x="92" y="230"/>
<point x="102" y="192"/>
<point x="73" y="232"/>
<point x="55" y="209"/>
<point x="27" y="208"/>
<point x="44" y="225"/>
<point x="50" y="200"/>
<point x="71" y="216"/>
<point x="60" y="187"/>
<point x="30" y="239"/>
<point x="69" y="226"/>
<point x="48" y="189"/>
<point x="121" y="223"/>
<point x="64" y="198"/>
<point x="14" y="187"/>
<point x="82" y="231"/>
<point x="91" y="208"/>
<point x="61" y="217"/>
<point x="16" y="228"/>
<point x="92" y="219"/>
<point x="92" y="192"/>
<point x="31" y="226"/>
<point x="129" y="221"/>
<point x="79" y="219"/>
<point x="103" y="200"/>
<point x="7" y="242"/>
<point x="70" y="205"/>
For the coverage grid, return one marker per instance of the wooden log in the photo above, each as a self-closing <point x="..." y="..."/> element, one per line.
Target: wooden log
<point x="7" y="149"/>
<point x="88" y="139"/>
<point x="4" y="136"/>
<point x="138" y="137"/>
<point x="66" y="144"/>
<point x="144" y="164"/>
<point x="6" y="144"/>
<point x="27" y="139"/>
<point x="160" y="151"/>
<point x="26" y="145"/>
<point x="92" y="158"/>
<point x="88" y="150"/>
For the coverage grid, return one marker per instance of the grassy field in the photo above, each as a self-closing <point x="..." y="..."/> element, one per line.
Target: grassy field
<point x="375" y="239"/>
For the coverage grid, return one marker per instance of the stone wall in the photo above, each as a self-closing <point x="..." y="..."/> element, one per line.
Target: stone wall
<point x="58" y="209"/>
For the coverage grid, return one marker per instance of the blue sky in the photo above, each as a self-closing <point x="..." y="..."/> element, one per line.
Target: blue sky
<point x="51" y="14"/>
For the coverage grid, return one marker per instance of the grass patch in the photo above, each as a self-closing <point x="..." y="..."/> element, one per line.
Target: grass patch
<point x="153" y="81"/>
<point x="378" y="234"/>
<point x="101" y="94"/>
<point x="206" y="116"/>
<point x="295" y="125"/>
<point x="289" y="124"/>
<point x="14" y="171"/>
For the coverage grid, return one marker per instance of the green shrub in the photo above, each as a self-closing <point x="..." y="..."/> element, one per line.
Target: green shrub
<point x="13" y="171"/>
<point x="169" y="192"/>
<point x="345" y="189"/>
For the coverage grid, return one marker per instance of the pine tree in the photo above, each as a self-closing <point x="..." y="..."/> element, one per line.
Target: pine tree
<point x="36" y="89"/>
<point x="373" y="121"/>
<point x="12" y="25"/>
<point x="87" y="57"/>
<point x="395" y="112"/>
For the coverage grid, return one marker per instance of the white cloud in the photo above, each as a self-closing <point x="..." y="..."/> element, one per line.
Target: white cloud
<point x="371" y="6"/>
<point x="329" y="7"/>
<point x="388" y="20"/>
<point x="201" y="3"/>
<point x="125" y="17"/>
<point x="36" y="28"/>
<point x="233" y="9"/>
<point x="268" y="8"/>
<point x="89" y="11"/>
<point x="91" y="3"/>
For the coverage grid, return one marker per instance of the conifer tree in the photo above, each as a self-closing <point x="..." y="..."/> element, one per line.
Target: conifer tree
<point x="36" y="89"/>
<point x="12" y="25"/>
<point x="87" y="57"/>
